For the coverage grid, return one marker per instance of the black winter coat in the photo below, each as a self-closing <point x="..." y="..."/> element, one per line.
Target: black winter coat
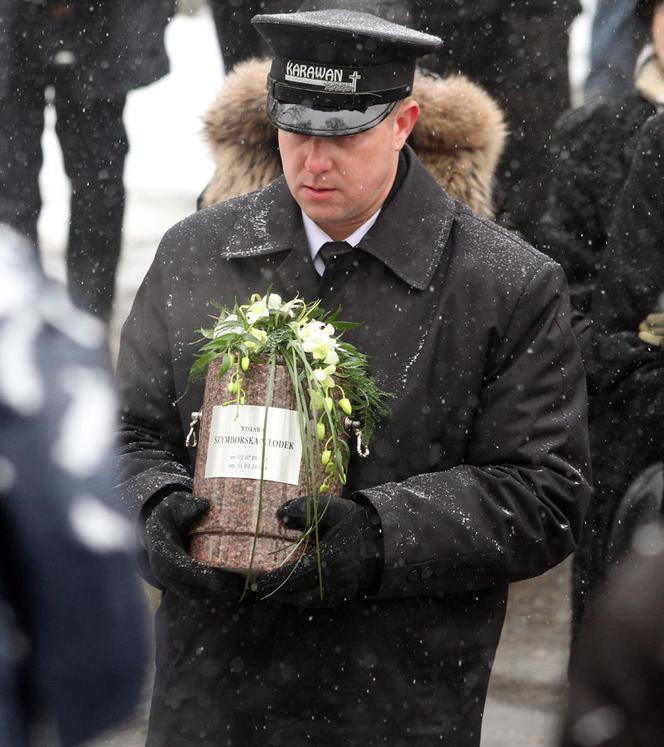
<point x="626" y="374"/>
<point x="480" y="476"/>
<point x="592" y="150"/>
<point x="118" y="44"/>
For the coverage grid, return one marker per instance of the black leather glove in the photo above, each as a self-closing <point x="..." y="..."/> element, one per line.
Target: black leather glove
<point x="167" y="543"/>
<point x="351" y="555"/>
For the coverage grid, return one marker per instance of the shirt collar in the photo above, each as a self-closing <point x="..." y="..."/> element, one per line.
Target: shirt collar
<point x="410" y="237"/>
<point x="317" y="237"/>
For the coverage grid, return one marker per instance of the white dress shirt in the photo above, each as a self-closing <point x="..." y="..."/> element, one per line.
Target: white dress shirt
<point x="317" y="237"/>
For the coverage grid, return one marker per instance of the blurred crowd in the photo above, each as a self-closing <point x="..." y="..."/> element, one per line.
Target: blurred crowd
<point x="583" y="185"/>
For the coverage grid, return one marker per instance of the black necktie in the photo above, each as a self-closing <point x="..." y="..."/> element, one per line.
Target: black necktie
<point x="331" y="250"/>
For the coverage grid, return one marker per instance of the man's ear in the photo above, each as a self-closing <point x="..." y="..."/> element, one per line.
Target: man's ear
<point x="404" y="121"/>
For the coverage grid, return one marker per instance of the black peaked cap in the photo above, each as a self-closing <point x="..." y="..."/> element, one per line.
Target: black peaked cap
<point x="338" y="72"/>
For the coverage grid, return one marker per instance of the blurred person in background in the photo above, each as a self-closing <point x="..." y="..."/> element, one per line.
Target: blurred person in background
<point x="73" y="626"/>
<point x="82" y="57"/>
<point x="625" y="364"/>
<point x="616" y="38"/>
<point x="593" y="147"/>
<point x="519" y="54"/>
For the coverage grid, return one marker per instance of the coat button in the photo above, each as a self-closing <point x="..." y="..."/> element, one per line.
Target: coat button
<point x="427" y="572"/>
<point x="413" y="576"/>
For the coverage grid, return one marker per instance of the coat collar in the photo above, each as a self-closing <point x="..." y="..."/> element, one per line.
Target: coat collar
<point x="409" y="236"/>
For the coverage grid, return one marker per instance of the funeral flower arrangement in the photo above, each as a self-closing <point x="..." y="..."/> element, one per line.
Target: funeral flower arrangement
<point x="336" y="398"/>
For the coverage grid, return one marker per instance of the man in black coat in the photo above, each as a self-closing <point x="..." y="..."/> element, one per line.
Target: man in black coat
<point x="73" y="622"/>
<point x="478" y="478"/>
<point x="84" y="56"/>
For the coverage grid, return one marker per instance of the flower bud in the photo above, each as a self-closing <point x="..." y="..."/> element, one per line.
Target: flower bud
<point x="320" y="430"/>
<point x="329" y="404"/>
<point x="244" y="363"/>
<point x="232" y="387"/>
<point x="325" y="456"/>
<point x="323" y="487"/>
<point x="345" y="405"/>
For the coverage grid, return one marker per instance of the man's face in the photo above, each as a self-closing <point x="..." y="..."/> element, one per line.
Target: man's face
<point x="658" y="32"/>
<point x="340" y="182"/>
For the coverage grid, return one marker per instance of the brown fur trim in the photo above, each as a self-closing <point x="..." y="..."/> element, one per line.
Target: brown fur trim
<point x="459" y="136"/>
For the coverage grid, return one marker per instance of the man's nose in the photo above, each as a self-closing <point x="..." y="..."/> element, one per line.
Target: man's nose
<point x="318" y="159"/>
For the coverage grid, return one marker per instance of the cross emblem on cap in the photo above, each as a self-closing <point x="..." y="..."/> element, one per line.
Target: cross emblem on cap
<point x="354" y="77"/>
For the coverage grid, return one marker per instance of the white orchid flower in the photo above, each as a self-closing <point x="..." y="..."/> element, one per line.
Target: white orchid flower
<point x="324" y="375"/>
<point x="317" y="339"/>
<point x="257" y="310"/>
<point x="274" y="302"/>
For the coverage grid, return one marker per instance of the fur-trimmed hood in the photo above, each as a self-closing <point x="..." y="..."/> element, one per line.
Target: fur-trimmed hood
<point x="459" y="136"/>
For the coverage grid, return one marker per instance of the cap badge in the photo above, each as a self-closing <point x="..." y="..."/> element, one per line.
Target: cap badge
<point x="328" y="78"/>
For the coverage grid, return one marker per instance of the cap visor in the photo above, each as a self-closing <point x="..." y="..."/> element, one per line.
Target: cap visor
<point x="305" y="121"/>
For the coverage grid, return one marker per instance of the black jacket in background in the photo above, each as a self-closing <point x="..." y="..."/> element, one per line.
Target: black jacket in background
<point x="625" y="375"/>
<point x="592" y="147"/>
<point x="118" y="44"/>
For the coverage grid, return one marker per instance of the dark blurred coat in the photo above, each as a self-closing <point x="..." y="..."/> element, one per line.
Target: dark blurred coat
<point x="625" y="375"/>
<point x="518" y="52"/>
<point x="593" y="147"/>
<point x="118" y="44"/>
<point x="479" y="476"/>
<point x="616" y="696"/>
<point x="72" y="614"/>
<point x="459" y="136"/>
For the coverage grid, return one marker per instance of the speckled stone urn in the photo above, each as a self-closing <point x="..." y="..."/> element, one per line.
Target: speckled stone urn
<point x="229" y="467"/>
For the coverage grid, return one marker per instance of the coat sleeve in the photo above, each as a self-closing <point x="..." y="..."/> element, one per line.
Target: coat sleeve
<point x="515" y="507"/>
<point x="153" y="460"/>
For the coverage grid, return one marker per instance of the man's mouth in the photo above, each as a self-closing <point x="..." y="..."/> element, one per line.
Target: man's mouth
<point x="318" y="192"/>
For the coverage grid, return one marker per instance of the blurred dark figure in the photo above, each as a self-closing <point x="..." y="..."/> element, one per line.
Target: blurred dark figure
<point x="625" y="367"/>
<point x="83" y="56"/>
<point x="593" y="148"/>
<point x="72" y="614"/>
<point x="616" y="694"/>
<point x="616" y="38"/>
<point x="239" y="40"/>
<point x="520" y="55"/>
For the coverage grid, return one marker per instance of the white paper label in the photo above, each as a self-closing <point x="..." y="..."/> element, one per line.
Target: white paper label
<point x="236" y="444"/>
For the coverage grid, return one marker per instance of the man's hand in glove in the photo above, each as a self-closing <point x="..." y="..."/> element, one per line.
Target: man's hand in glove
<point x="351" y="555"/>
<point x="651" y="330"/>
<point x="167" y="543"/>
